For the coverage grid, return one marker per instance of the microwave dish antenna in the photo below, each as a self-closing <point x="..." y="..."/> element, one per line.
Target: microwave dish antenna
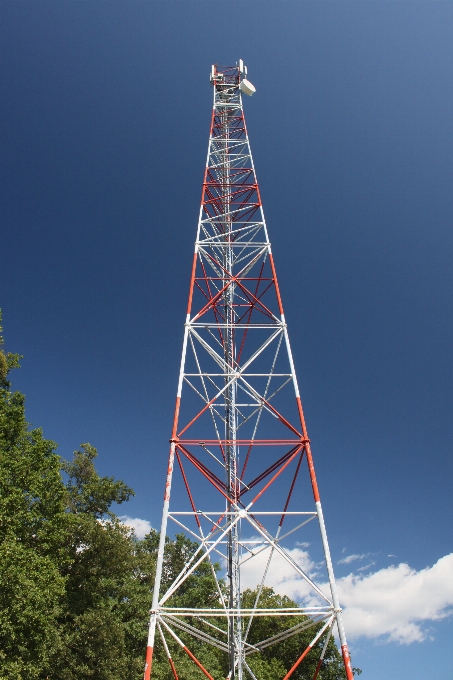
<point x="247" y="88"/>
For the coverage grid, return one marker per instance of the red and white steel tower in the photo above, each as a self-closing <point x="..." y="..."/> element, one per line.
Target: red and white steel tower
<point x="239" y="448"/>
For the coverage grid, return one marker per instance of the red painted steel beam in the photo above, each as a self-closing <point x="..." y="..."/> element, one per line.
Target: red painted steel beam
<point x="195" y="660"/>
<point x="292" y="487"/>
<point x="173" y="669"/>
<point x="148" y="663"/>
<point x="298" y="662"/>
<point x="189" y="493"/>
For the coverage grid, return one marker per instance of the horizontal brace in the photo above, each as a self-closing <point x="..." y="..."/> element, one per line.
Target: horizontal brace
<point x="248" y="375"/>
<point x="229" y="613"/>
<point x="243" y="442"/>
<point x="224" y="512"/>
<point x="239" y="543"/>
<point x="249" y="326"/>
<point x="227" y="277"/>
<point x="209" y="223"/>
<point x="217" y="184"/>
<point x="231" y="244"/>
<point x="237" y="208"/>
<point x="248" y="223"/>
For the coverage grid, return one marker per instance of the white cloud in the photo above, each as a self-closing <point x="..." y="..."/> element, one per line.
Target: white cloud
<point x="140" y="526"/>
<point x="352" y="558"/>
<point x="281" y="574"/>
<point x="394" y="603"/>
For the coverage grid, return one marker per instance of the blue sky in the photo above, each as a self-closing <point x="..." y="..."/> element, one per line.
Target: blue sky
<point x="105" y="115"/>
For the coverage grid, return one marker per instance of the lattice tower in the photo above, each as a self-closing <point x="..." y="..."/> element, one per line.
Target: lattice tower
<point x="239" y="448"/>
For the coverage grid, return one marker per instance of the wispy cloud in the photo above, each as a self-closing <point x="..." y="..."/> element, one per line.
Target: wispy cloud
<point x="352" y="558"/>
<point x="366" y="566"/>
<point x="141" y="527"/>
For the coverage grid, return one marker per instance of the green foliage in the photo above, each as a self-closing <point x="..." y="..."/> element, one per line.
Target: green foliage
<point x="100" y="602"/>
<point x="7" y="361"/>
<point x="32" y="530"/>
<point x="31" y="589"/>
<point x="266" y="669"/>
<point x="87" y="492"/>
<point x="3" y="367"/>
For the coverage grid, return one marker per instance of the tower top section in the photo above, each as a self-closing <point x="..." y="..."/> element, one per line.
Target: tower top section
<point x="228" y="80"/>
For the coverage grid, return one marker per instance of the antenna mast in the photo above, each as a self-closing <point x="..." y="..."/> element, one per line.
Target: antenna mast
<point x="239" y="437"/>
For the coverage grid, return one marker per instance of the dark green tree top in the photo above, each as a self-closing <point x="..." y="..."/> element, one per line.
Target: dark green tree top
<point x="87" y="491"/>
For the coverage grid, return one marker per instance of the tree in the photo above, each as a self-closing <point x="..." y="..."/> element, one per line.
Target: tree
<point x="32" y="521"/>
<point x="100" y="577"/>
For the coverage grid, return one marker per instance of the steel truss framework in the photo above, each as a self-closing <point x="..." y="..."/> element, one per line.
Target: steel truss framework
<point x="239" y="444"/>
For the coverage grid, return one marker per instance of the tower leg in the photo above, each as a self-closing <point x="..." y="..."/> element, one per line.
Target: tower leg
<point x="150" y="647"/>
<point x="159" y="565"/>
<point x="333" y="590"/>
